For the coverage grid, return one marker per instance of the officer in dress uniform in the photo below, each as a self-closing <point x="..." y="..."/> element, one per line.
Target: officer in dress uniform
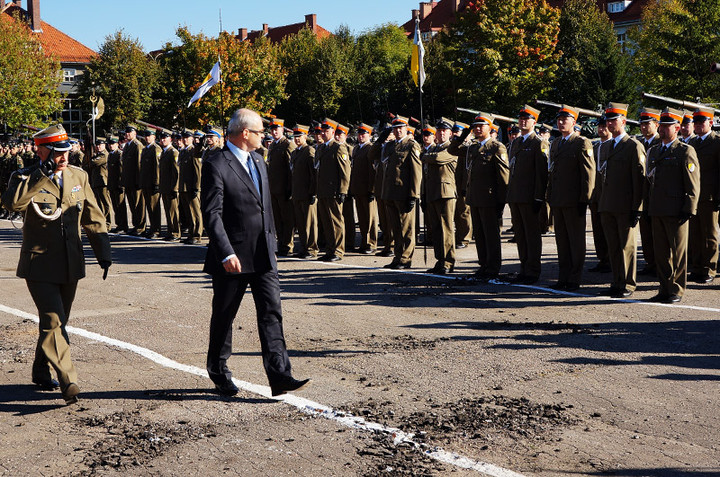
<point x="279" y="175"/>
<point x="150" y="182"/>
<point x="362" y="188"/>
<point x="601" y="248"/>
<point x="115" y="187"/>
<point x="98" y="180"/>
<point x="379" y="159"/>
<point x="463" y="219"/>
<point x="304" y="193"/>
<point x="485" y="191"/>
<point x="649" y="137"/>
<point x="169" y="170"/>
<point x="526" y="193"/>
<point x="56" y="200"/>
<point x="189" y="186"/>
<point x="621" y="199"/>
<point x="348" y="207"/>
<point x="571" y="179"/>
<point x="674" y="182"/>
<point x="687" y="130"/>
<point x="131" y="180"/>
<point x="703" y="231"/>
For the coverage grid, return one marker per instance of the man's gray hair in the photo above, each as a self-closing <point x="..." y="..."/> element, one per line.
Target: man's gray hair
<point x="243" y="119"/>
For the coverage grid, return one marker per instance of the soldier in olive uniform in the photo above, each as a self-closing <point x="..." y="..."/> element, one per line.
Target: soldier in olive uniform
<point x="463" y="219"/>
<point x="189" y="186"/>
<point x="378" y="156"/>
<point x="485" y="191"/>
<point x="674" y="181"/>
<point x="98" y="180"/>
<point x="77" y="157"/>
<point x="279" y="176"/>
<point x="601" y="248"/>
<point x="441" y="193"/>
<point x="401" y="190"/>
<point x="304" y="193"/>
<point x="687" y="129"/>
<point x="526" y="193"/>
<point x="348" y="207"/>
<point x="649" y="137"/>
<point x="621" y="199"/>
<point x="332" y="161"/>
<point x="56" y="200"/>
<point x="571" y="179"/>
<point x="150" y="182"/>
<point x="115" y="187"/>
<point x="362" y="188"/>
<point x="131" y="181"/>
<point x="213" y="142"/>
<point x="169" y="171"/>
<point x="703" y="239"/>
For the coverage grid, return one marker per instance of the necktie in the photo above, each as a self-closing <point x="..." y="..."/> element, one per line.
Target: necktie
<point x="56" y="180"/>
<point x="253" y="173"/>
<point x="663" y="150"/>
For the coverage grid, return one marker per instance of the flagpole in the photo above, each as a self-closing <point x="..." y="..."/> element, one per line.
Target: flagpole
<point x="222" y="96"/>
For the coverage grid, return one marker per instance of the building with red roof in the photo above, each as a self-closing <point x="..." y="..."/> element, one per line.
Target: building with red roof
<point x="277" y="34"/>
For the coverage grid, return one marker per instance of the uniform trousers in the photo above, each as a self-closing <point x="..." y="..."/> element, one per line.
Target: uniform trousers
<point x="102" y="197"/>
<point x="402" y="223"/>
<point x="388" y="238"/>
<point x="463" y="224"/>
<point x="601" y="247"/>
<point x="117" y="196"/>
<point x="284" y="222"/>
<point x="528" y="238"/>
<point x="190" y="202"/>
<point x="671" y="241"/>
<point x="440" y="216"/>
<point x="172" y="214"/>
<point x="136" y="200"/>
<point x="228" y="292"/>
<point x="307" y="226"/>
<point x="621" y="249"/>
<point x="703" y="240"/>
<point x="152" y="205"/>
<point x="367" y="215"/>
<point x="348" y="211"/>
<point x="646" y="236"/>
<point x="53" y="302"/>
<point x="331" y="217"/>
<point x="487" y="239"/>
<point x="570" y="240"/>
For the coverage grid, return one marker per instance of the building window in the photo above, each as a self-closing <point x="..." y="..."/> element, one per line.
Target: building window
<point x="617" y="7"/>
<point x="68" y="75"/>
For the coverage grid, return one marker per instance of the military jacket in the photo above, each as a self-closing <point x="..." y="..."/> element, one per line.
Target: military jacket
<point x="150" y="166"/>
<point x="52" y="248"/>
<point x="169" y="171"/>
<point x="600" y="155"/>
<point x="487" y="173"/>
<point x="403" y="169"/>
<point x="99" y="170"/>
<point x="114" y="170"/>
<point x="278" y="161"/>
<point x="131" y="164"/>
<point x="362" y="176"/>
<point x="653" y="142"/>
<point x="332" y="162"/>
<point x="623" y="176"/>
<point x="304" y="175"/>
<point x="674" y="180"/>
<point x="528" y="169"/>
<point x="189" y="165"/>
<point x="571" y="171"/>
<point x="708" y="154"/>
<point x="438" y="173"/>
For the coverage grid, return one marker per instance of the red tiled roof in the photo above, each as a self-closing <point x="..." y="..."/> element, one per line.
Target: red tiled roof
<point x="441" y="15"/>
<point x="55" y="42"/>
<point x="277" y="34"/>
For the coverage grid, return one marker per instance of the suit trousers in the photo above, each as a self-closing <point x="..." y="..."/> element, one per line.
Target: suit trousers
<point x="284" y="222"/>
<point x="703" y="240"/>
<point x="306" y="220"/>
<point x="463" y="224"/>
<point x="172" y="214"/>
<point x="117" y="196"/>
<point x="102" y="197"/>
<point x="348" y="211"/>
<point x="622" y="249"/>
<point x="646" y="237"/>
<point x="601" y="247"/>
<point x="228" y="292"/>
<point x="671" y="241"/>
<point x="190" y="202"/>
<point x="570" y="240"/>
<point x="136" y="200"/>
<point x="403" y="226"/>
<point x="387" y="231"/>
<point x="333" y="223"/>
<point x="152" y="205"/>
<point x="487" y="239"/>
<point x="528" y="238"/>
<point x="440" y="216"/>
<point x="53" y="302"/>
<point x="367" y="215"/>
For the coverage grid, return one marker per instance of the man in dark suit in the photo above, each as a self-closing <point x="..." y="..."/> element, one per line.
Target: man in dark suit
<point x="236" y="206"/>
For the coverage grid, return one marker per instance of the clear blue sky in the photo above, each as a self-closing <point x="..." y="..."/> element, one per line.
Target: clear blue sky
<point x="155" y="22"/>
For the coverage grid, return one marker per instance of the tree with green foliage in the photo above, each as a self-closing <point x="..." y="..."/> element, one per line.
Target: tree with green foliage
<point x="675" y="48"/>
<point x="498" y="54"/>
<point x="125" y="77"/>
<point x="593" y="68"/>
<point x="30" y="78"/>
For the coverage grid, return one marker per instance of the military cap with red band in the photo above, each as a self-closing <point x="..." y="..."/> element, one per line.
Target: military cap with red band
<point x="399" y="121"/>
<point x="299" y="130"/>
<point x="648" y="114"/>
<point x="365" y="128"/>
<point x="703" y="114"/>
<point x="529" y="111"/>
<point x="53" y="137"/>
<point x="615" y="110"/>
<point x="342" y="128"/>
<point x="277" y="123"/>
<point x="328" y="124"/>
<point x="671" y="116"/>
<point x="566" y="110"/>
<point x="483" y="118"/>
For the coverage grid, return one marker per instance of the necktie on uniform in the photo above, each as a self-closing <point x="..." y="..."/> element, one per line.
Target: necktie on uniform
<point x="253" y="173"/>
<point x="56" y="180"/>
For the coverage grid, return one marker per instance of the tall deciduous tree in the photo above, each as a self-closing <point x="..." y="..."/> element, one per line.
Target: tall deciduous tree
<point x="593" y="68"/>
<point x="30" y="78"/>
<point x="675" y="47"/>
<point x="126" y="78"/>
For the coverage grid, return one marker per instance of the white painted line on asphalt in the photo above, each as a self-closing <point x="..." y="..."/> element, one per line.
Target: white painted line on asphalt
<point x="305" y="405"/>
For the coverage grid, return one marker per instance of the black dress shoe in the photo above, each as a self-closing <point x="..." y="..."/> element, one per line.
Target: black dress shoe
<point x="609" y="291"/>
<point x="672" y="299"/>
<point x="622" y="293"/>
<point x="461" y="245"/>
<point x="47" y="384"/>
<point x="659" y="298"/>
<point x="385" y="253"/>
<point x="70" y="393"/>
<point x="704" y="279"/>
<point x="367" y="251"/>
<point x="438" y="271"/>
<point x="227" y="388"/>
<point x="331" y="258"/>
<point x="287" y="385"/>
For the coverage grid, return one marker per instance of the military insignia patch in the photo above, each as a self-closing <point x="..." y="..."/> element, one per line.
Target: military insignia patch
<point x="344" y="157"/>
<point x="544" y="150"/>
<point x="76" y="188"/>
<point x="691" y="167"/>
<point x="504" y="157"/>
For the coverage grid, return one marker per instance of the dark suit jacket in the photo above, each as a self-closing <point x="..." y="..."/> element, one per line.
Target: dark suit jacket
<point x="238" y="220"/>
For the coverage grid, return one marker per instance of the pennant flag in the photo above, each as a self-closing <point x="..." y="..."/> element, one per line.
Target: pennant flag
<point x="210" y="80"/>
<point x="418" y="53"/>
